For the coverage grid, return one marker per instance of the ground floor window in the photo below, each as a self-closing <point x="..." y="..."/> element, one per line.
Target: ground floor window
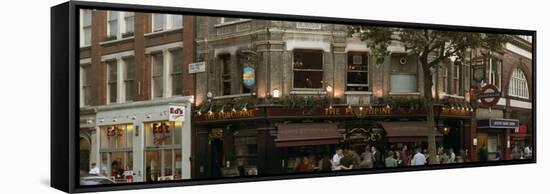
<point x="163" y="165"/>
<point x="116" y="165"/>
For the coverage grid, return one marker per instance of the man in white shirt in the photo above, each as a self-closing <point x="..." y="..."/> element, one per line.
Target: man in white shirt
<point x="336" y="159"/>
<point x="94" y="170"/>
<point x="418" y="159"/>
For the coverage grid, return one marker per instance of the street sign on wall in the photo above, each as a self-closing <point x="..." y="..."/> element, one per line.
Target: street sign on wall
<point x="197" y="67"/>
<point x="489" y="95"/>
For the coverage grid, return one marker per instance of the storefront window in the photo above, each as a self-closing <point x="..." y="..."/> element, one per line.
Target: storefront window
<point x="116" y="151"/>
<point x="163" y="151"/>
<point x="246" y="150"/>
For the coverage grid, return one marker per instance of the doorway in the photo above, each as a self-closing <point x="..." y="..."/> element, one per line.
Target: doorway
<point x="217" y="157"/>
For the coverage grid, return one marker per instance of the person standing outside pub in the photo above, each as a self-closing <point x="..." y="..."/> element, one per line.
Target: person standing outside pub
<point x="418" y="159"/>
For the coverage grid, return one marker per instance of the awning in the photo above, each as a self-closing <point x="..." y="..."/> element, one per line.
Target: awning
<point x="410" y="131"/>
<point x="303" y="134"/>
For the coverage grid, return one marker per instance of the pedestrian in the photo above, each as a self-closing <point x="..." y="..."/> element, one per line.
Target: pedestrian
<point x="367" y="158"/>
<point x="390" y="160"/>
<point x="347" y="162"/>
<point x="305" y="165"/>
<point x="451" y="156"/>
<point x="325" y="164"/>
<point x="336" y="159"/>
<point x="377" y="157"/>
<point x="498" y="155"/>
<point x="94" y="169"/>
<point x="527" y="152"/>
<point x="418" y="159"/>
<point x="404" y="156"/>
<point x="483" y="154"/>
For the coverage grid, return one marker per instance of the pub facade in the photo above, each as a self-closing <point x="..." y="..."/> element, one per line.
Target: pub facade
<point x="273" y="93"/>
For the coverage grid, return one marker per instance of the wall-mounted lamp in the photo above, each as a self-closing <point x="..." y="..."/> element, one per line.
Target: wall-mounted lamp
<point x="329" y="88"/>
<point x="276" y="93"/>
<point x="474" y="141"/>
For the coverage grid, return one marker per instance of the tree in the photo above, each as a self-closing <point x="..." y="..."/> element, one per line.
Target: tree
<point x="433" y="48"/>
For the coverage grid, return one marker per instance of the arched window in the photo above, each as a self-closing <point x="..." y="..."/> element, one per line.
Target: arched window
<point x="518" y="84"/>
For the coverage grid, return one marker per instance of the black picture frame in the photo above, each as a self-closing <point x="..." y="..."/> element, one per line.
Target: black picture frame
<point x="65" y="109"/>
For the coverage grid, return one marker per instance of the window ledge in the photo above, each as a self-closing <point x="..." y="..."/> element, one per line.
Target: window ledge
<point x="453" y="96"/>
<point x="231" y="96"/>
<point x="404" y="93"/>
<point x="358" y="93"/>
<point x="522" y="97"/>
<point x="116" y="40"/>
<point x="162" y="31"/>
<point x="231" y="23"/>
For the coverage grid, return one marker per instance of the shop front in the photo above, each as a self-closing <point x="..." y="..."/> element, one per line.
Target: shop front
<point x="277" y="139"/>
<point x="145" y="141"/>
<point x="494" y="138"/>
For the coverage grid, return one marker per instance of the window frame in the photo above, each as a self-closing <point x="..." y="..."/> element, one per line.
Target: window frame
<point x="365" y="59"/>
<point x="294" y="52"/>
<point x="110" y="82"/>
<point x="518" y="85"/>
<point x="160" y="54"/>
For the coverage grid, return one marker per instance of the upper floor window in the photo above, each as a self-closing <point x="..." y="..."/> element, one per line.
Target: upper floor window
<point x="163" y="22"/>
<point x="518" y="86"/>
<point x="358" y="72"/>
<point x="112" y="25"/>
<point x="308" y="69"/>
<point x="457" y="86"/>
<point x="128" y="24"/>
<point x="86" y="84"/>
<point x="177" y="72"/>
<point x="229" y="20"/>
<point x="158" y="75"/>
<point x="112" y="71"/>
<point x="129" y="78"/>
<point x="494" y="69"/>
<point x="86" y="23"/>
<point x="225" y="62"/>
<point x="401" y="83"/>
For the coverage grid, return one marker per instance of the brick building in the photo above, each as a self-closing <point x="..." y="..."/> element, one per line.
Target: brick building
<point x="132" y="70"/>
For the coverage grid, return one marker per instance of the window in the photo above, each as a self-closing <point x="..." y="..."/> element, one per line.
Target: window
<point x="358" y="72"/>
<point x="403" y="83"/>
<point x="158" y="22"/>
<point x="226" y="73"/>
<point x="493" y="68"/>
<point x="129" y="79"/>
<point x="166" y="21"/>
<point x="86" y="27"/>
<point x="112" y="81"/>
<point x="177" y="72"/>
<point x="229" y="20"/>
<point x="116" y="143"/>
<point x="246" y="150"/>
<point x="308" y="69"/>
<point x="129" y="24"/>
<point x="112" y="21"/>
<point x="86" y="84"/>
<point x="158" y="72"/>
<point x="162" y="156"/>
<point x="445" y="75"/>
<point x="457" y="90"/>
<point x="518" y="84"/>
<point x="177" y="21"/>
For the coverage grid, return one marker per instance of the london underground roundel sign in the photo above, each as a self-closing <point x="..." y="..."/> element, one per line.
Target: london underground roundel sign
<point x="489" y="95"/>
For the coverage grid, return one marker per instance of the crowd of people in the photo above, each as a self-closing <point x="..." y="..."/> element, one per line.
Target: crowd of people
<point x="345" y="158"/>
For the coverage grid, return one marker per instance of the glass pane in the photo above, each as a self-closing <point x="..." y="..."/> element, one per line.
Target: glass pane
<point x="158" y="81"/>
<point x="129" y="135"/>
<point x="177" y="66"/>
<point x="167" y="166"/>
<point x="177" y="165"/>
<point x="152" y="165"/>
<point x="158" y="20"/>
<point x="104" y="139"/>
<point x="113" y="28"/>
<point x="308" y="79"/>
<point x="105" y="167"/>
<point x="158" y="133"/>
<point x="117" y="165"/>
<point x="121" y="136"/>
<point x="308" y="60"/>
<point x="87" y="17"/>
<point x="177" y="132"/>
<point x="357" y="78"/>
<point x="403" y="83"/>
<point x="177" y="21"/>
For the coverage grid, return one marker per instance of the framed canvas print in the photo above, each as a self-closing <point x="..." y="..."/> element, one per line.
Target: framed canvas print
<point x="150" y="96"/>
